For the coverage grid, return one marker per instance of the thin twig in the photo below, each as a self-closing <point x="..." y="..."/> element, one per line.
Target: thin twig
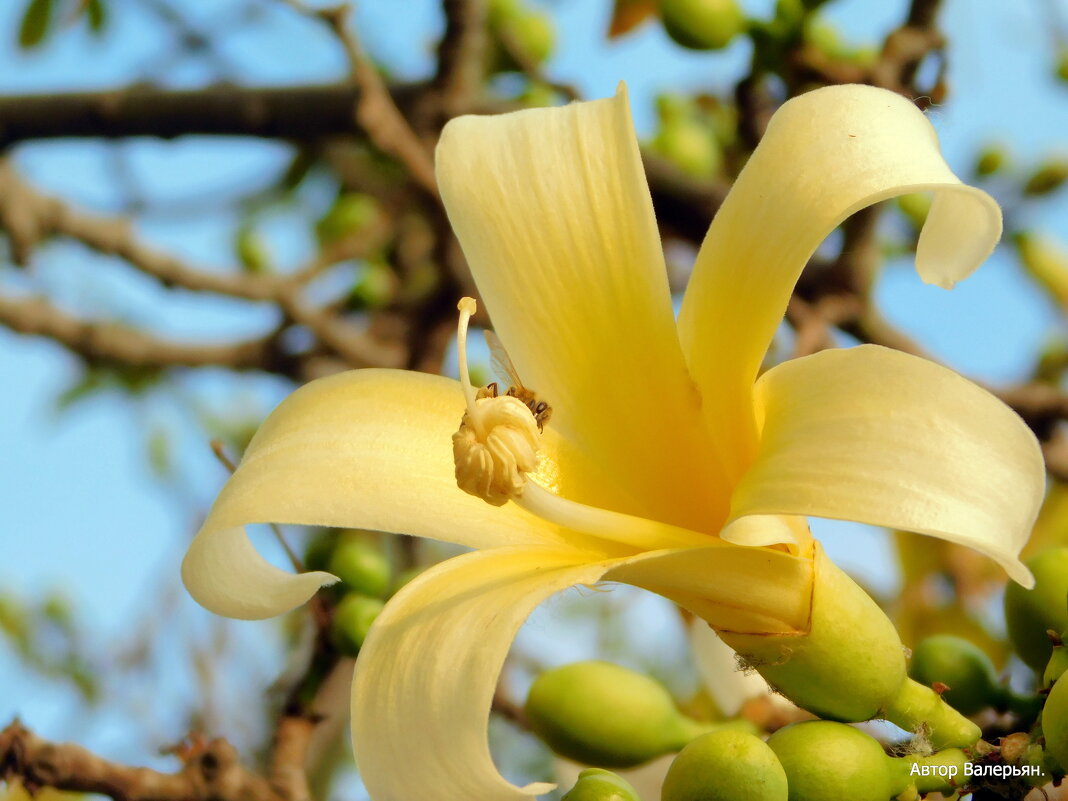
<point x="218" y="449"/>
<point x="376" y="110"/>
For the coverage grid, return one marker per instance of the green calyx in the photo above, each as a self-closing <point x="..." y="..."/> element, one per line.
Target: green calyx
<point x="1030" y="614"/>
<point x="850" y="666"/>
<point x="602" y="714"/>
<point x="827" y="761"/>
<point x="726" y="766"/>
<point x="595" y="784"/>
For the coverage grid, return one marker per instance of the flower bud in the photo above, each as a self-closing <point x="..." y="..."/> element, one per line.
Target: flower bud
<point x="1030" y="614"/>
<point x="826" y="761"/>
<point x="1045" y="261"/>
<point x="990" y="160"/>
<point x="352" y="621"/>
<point x="702" y="24"/>
<point x="1055" y="723"/>
<point x="595" y="784"/>
<point x="1047" y="178"/>
<point x="725" y="766"/>
<point x="1057" y="665"/>
<point x="960" y="665"/>
<point x="602" y="714"/>
<point x="361" y="566"/>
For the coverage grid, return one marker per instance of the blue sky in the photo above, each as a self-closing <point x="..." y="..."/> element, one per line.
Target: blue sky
<point x="78" y="508"/>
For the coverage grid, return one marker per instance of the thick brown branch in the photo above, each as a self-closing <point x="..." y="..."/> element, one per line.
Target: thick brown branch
<point x="210" y="772"/>
<point x="297" y="112"/>
<point x="461" y="54"/>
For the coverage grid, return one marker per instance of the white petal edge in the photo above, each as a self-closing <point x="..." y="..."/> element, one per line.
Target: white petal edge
<point x="881" y="437"/>
<point x="825" y="155"/>
<point x="366" y="449"/>
<point x="426" y="675"/>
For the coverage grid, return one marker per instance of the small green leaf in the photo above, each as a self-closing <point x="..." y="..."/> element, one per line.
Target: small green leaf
<point x="97" y="15"/>
<point x="35" y="23"/>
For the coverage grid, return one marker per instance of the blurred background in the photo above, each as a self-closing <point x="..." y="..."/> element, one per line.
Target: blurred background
<point x="199" y="211"/>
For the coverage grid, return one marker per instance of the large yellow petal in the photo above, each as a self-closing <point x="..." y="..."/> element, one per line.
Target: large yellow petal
<point x="425" y="678"/>
<point x="554" y="215"/>
<point x="825" y="155"/>
<point x="882" y="437"/>
<point x="426" y="675"/>
<point x="365" y="449"/>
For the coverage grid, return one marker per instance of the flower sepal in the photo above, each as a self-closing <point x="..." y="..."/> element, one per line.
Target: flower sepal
<point x="850" y="665"/>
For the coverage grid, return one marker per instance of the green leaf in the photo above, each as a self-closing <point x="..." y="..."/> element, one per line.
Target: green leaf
<point x="35" y="23"/>
<point x="96" y="14"/>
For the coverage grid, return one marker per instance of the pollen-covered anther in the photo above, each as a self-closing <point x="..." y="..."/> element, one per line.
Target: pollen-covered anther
<point x="497" y="443"/>
<point x="493" y="465"/>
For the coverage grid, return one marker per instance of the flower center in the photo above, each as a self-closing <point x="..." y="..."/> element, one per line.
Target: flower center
<point x="496" y="447"/>
<point x="499" y="436"/>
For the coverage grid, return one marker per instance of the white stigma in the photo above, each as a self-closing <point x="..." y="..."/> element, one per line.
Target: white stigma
<point x="497" y="446"/>
<point x="498" y="440"/>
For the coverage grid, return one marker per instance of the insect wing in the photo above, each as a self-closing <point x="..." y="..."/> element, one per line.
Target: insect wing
<point x="502" y="363"/>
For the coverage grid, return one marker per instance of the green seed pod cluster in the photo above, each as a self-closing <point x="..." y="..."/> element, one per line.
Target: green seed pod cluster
<point x="702" y="24"/>
<point x="603" y="714"/>
<point x="366" y="580"/>
<point x="1031" y="614"/>
<point x="595" y="784"/>
<point x="726" y="766"/>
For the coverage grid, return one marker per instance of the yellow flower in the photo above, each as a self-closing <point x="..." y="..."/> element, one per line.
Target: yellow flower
<point x="668" y="463"/>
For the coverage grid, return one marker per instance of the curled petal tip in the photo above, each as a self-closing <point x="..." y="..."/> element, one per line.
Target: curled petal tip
<point x="225" y="574"/>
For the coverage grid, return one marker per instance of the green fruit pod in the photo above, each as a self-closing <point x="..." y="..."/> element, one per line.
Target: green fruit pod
<point x="702" y="24"/>
<point x="602" y="714"/>
<point x="352" y="622"/>
<point x="595" y="784"/>
<point x="826" y="761"/>
<point x="726" y="766"/>
<point x="1030" y="614"/>
<point x="962" y="666"/>
<point x="361" y="566"/>
<point x="1055" y="723"/>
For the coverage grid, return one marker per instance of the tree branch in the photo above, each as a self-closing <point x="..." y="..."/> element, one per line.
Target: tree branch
<point x="111" y="342"/>
<point x="461" y="54"/>
<point x="297" y="112"/>
<point x="211" y="772"/>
